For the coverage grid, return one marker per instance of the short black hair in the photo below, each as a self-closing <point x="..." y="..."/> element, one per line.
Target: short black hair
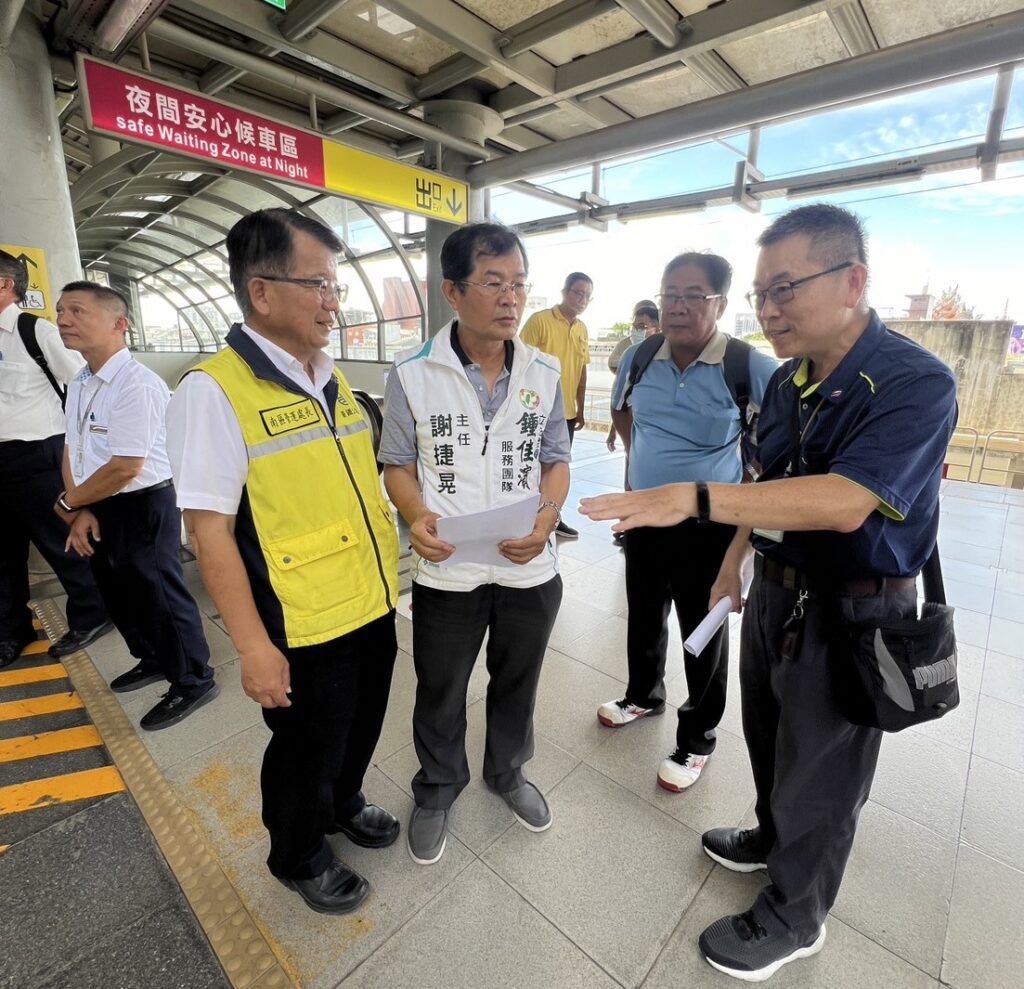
<point x="103" y="293"/>
<point x="837" y="235"/>
<point x="11" y="267"/>
<point x="461" y="248"/>
<point x="717" y="270"/>
<point x="262" y="242"/>
<point x="576" y="276"/>
<point x="647" y="311"/>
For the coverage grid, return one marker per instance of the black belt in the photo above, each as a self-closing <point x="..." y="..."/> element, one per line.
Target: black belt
<point x="159" y="486"/>
<point x="861" y="587"/>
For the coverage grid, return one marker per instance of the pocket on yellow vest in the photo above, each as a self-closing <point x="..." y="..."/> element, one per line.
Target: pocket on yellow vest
<point x="311" y="572"/>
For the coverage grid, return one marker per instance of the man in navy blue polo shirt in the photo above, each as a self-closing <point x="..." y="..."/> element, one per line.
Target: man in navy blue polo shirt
<point x="852" y="436"/>
<point x="680" y="423"/>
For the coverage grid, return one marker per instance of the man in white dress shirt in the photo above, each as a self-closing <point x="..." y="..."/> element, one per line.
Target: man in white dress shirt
<point x="120" y="504"/>
<point x="31" y="448"/>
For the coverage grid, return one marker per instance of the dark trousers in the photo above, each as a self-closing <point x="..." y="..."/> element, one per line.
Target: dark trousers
<point x="677" y="566"/>
<point x="138" y="571"/>
<point x="30" y="481"/>
<point x="315" y="762"/>
<point x="571" y="423"/>
<point x="448" y="629"/>
<point x="812" y="768"/>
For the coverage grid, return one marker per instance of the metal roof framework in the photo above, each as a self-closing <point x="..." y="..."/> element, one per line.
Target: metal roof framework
<point x="577" y="83"/>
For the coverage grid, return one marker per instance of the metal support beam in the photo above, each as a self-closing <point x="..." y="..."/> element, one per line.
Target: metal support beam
<point x="965" y="49"/>
<point x="570" y="15"/>
<point x="167" y="31"/>
<point x="464" y="31"/>
<point x="996" y="116"/>
<point x="715" y="71"/>
<point x="658" y="17"/>
<point x="452" y="73"/>
<point x="625" y="62"/>
<point x="302" y="21"/>
<point x="854" y="28"/>
<point x="539" y="192"/>
<point x="8" y="19"/>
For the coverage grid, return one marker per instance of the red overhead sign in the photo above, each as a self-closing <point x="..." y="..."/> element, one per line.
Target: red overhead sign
<point x="138" y="108"/>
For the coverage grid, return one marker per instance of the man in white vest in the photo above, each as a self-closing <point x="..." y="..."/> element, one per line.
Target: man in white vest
<point x="474" y="420"/>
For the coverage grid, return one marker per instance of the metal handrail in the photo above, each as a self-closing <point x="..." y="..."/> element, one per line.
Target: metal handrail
<point x="1015" y="436"/>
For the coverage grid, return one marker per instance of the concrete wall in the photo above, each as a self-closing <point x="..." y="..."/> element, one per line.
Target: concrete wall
<point x="990" y="396"/>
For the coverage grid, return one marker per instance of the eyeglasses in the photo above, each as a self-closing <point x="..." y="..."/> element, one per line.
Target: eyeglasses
<point x="782" y="292"/>
<point x="581" y="293"/>
<point x="519" y="289"/>
<point x="691" y="299"/>
<point x="329" y="291"/>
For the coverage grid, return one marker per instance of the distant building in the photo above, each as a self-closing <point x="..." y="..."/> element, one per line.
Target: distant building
<point x="920" y="305"/>
<point x="746" y="325"/>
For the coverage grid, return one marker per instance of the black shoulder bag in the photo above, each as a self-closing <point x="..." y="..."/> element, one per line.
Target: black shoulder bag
<point x="27" y="332"/>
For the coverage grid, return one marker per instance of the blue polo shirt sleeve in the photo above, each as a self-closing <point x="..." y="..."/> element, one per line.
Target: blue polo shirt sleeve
<point x="899" y="445"/>
<point x="622" y="376"/>
<point x="762" y="367"/>
<point x="554" y="441"/>
<point x="398" y="434"/>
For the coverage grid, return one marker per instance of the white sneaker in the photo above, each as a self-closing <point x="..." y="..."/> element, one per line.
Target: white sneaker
<point x="615" y="714"/>
<point x="677" y="776"/>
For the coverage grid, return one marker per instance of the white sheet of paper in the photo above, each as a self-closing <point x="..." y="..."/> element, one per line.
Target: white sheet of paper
<point x="476" y="536"/>
<point x="703" y="633"/>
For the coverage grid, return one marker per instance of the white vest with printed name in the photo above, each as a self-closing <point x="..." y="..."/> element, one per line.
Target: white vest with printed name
<point x="465" y="466"/>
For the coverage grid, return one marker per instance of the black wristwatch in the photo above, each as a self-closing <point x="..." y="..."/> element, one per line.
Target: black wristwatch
<point x="703" y="503"/>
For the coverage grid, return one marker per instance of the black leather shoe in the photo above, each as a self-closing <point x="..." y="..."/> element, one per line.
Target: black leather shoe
<point x="372" y="827"/>
<point x="336" y="890"/>
<point x="77" y="639"/>
<point x="137" y="676"/>
<point x="174" y="708"/>
<point x="11" y="649"/>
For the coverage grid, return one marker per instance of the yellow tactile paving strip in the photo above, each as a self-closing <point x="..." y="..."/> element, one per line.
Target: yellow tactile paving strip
<point x="248" y="959"/>
<point x="35" y="674"/>
<point x="32" y="707"/>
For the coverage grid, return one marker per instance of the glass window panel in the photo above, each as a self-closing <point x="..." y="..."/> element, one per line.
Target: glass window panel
<point x="510" y="207"/>
<point x="357" y="307"/>
<point x="249" y="196"/>
<point x="212" y="286"/>
<point x="207" y="340"/>
<point x="188" y="290"/>
<point x="361" y="342"/>
<point x="160" y="320"/>
<point x="218" y="214"/>
<point x="670" y="173"/>
<point x="197" y="230"/>
<point x="153" y="252"/>
<point x="216" y="262"/>
<point x="392" y="286"/>
<point x="217" y="318"/>
<point x="352" y="224"/>
<point x="926" y="120"/>
<point x="400" y="335"/>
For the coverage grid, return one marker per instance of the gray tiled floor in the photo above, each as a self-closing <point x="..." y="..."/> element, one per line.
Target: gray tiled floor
<point x="617" y="891"/>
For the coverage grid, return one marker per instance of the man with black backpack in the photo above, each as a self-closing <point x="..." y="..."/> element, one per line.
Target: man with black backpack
<point x="35" y="367"/>
<point x="687" y="401"/>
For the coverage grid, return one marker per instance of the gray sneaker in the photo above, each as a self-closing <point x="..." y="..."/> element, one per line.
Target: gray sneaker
<point x="529" y="806"/>
<point x="427" y="834"/>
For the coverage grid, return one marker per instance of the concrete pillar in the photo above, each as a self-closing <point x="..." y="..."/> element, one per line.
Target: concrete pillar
<point x="474" y="122"/>
<point x="35" y="203"/>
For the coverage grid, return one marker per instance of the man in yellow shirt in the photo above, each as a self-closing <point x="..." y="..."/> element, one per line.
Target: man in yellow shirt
<point x="559" y="331"/>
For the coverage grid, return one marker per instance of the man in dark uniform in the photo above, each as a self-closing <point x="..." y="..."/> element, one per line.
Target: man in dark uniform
<point x="852" y="436"/>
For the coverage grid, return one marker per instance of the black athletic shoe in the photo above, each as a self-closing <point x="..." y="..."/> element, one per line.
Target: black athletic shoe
<point x="736" y="849"/>
<point x="173" y="708"/>
<point x="71" y="642"/>
<point x="742" y="947"/>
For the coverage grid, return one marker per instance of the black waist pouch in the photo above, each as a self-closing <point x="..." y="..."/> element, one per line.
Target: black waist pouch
<point x="899" y="673"/>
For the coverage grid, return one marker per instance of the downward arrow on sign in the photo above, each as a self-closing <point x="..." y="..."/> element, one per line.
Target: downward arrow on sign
<point x="454" y="204"/>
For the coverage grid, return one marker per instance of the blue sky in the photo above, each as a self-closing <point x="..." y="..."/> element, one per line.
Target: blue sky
<point x="946" y="229"/>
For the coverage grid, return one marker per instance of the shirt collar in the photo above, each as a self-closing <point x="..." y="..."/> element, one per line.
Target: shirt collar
<point x="111" y="366"/>
<point x="713" y="352"/>
<point x="464" y="358"/>
<point x="9" y="317"/>
<point x="849" y="370"/>
<point x="323" y="366"/>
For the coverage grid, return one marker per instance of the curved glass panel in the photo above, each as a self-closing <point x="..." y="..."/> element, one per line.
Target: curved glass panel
<point x="352" y="224"/>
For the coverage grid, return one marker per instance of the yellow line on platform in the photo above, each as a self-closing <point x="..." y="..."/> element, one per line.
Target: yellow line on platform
<point x="32" y="674"/>
<point x="49" y="743"/>
<point x="60" y="789"/>
<point x="32" y="707"/>
<point x="35" y="648"/>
